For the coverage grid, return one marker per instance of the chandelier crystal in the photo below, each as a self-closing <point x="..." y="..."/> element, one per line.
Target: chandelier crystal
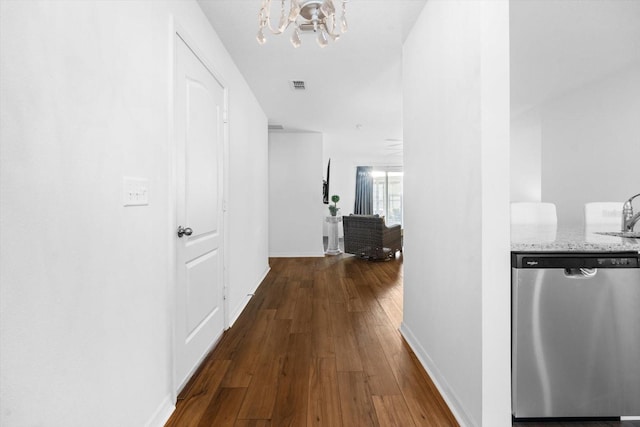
<point x="318" y="16"/>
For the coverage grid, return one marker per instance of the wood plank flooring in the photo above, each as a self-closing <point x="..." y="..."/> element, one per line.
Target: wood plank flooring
<point x="318" y="345"/>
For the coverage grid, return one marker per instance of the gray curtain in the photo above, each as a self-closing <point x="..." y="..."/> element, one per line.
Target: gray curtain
<point x="364" y="191"/>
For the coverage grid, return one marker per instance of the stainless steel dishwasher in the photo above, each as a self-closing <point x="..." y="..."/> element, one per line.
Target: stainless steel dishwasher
<point x="575" y="348"/>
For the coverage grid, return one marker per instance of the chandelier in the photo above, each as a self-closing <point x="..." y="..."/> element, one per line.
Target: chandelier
<point x="318" y="16"/>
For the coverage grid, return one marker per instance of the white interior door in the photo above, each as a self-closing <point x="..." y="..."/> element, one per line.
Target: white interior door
<point x="199" y="137"/>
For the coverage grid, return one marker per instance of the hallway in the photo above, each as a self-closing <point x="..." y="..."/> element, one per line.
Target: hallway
<point x="318" y="344"/>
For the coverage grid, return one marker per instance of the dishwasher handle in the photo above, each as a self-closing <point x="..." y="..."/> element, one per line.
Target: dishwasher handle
<point x="580" y="273"/>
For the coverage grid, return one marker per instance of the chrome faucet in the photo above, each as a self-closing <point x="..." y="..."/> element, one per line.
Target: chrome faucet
<point x="629" y="220"/>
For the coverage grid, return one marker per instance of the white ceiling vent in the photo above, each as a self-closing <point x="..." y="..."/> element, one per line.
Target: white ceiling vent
<point x="276" y="127"/>
<point x="298" y="85"/>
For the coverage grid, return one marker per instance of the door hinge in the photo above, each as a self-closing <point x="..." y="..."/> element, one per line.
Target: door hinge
<point x="225" y="116"/>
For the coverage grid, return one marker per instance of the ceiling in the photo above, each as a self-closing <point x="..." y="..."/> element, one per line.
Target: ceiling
<point x="354" y="86"/>
<point x="557" y="46"/>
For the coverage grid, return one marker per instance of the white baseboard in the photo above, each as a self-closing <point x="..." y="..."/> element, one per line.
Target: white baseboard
<point x="438" y="379"/>
<point x="234" y="316"/>
<point x="162" y="414"/>
<point x="296" y="255"/>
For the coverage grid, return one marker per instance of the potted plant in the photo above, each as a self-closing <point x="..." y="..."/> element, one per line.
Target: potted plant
<point x="333" y="209"/>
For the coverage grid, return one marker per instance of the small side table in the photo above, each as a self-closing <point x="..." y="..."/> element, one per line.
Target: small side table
<point x="333" y="247"/>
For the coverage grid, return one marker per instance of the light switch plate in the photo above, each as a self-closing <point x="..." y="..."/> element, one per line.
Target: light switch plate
<point x="135" y="191"/>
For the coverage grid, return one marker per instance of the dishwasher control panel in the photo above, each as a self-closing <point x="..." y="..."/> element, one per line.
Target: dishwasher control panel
<point x="575" y="260"/>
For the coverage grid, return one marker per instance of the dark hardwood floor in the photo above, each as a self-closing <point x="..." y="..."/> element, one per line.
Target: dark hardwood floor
<point x="318" y="345"/>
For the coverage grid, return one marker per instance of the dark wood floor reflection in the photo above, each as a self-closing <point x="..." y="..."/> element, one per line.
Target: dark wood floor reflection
<point x="318" y="345"/>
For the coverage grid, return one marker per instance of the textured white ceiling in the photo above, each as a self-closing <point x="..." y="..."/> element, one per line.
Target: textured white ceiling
<point x="556" y="45"/>
<point x="354" y="81"/>
<point x="560" y="45"/>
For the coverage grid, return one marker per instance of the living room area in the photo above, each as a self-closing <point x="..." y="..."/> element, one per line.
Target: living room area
<point x="307" y="170"/>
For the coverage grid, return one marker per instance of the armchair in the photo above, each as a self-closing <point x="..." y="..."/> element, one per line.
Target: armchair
<point x="367" y="236"/>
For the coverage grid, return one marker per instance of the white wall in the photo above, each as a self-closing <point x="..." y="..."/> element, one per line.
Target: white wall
<point x="456" y="163"/>
<point x="591" y="144"/>
<point x="248" y="198"/>
<point x="342" y="183"/>
<point x="580" y="146"/>
<point x="295" y="194"/>
<point x="526" y="157"/>
<point x="85" y="289"/>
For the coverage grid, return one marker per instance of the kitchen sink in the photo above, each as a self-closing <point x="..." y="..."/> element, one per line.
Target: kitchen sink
<point x="627" y="234"/>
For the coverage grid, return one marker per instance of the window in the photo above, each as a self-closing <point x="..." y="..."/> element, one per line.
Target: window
<point x="387" y="195"/>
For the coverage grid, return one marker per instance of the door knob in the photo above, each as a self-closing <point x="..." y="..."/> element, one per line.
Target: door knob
<point x="184" y="231"/>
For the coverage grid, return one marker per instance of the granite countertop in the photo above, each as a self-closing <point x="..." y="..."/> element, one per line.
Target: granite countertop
<point x="548" y="239"/>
